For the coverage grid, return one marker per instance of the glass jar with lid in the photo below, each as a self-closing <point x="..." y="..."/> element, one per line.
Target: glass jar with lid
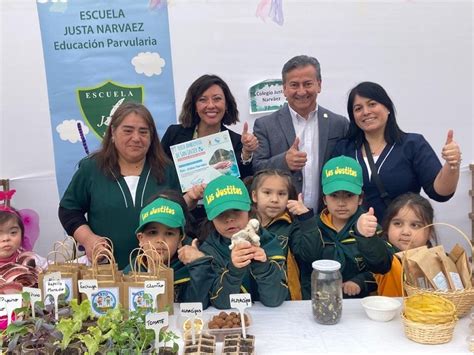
<point x="326" y="291"/>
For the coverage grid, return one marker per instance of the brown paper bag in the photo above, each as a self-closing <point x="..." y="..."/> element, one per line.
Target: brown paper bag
<point x="430" y="263"/>
<point x="413" y="274"/>
<point x="449" y="269"/>
<point x="59" y="260"/>
<point x="110" y="285"/>
<point x="134" y="295"/>
<point x="459" y="257"/>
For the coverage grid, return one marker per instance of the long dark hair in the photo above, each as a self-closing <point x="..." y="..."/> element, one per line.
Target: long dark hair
<point x="107" y="156"/>
<point x="189" y="117"/>
<point x="418" y="204"/>
<point x="373" y="91"/>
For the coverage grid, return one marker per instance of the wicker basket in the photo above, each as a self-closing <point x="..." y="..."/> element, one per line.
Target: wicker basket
<point x="428" y="333"/>
<point x="429" y="309"/>
<point x="463" y="300"/>
<point x="432" y="321"/>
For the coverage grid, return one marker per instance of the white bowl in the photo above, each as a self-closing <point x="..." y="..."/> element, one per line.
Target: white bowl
<point x="381" y="308"/>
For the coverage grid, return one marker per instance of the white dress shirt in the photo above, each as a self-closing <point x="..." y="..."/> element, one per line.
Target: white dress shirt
<point x="307" y="131"/>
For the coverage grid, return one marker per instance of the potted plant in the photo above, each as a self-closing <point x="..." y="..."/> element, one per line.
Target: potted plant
<point x="34" y="334"/>
<point x="83" y="312"/>
<point x="91" y="340"/>
<point x="132" y="335"/>
<point x="168" y="336"/>
<point x="69" y="328"/>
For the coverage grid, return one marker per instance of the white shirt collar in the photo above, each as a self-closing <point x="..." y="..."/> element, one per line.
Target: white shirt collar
<point x="297" y="117"/>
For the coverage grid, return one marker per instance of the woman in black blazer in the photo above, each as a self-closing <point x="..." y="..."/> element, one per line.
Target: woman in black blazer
<point x="208" y="108"/>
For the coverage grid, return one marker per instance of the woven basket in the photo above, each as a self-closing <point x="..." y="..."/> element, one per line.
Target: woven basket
<point x="428" y="333"/>
<point x="432" y="321"/>
<point x="463" y="300"/>
<point x="429" y="309"/>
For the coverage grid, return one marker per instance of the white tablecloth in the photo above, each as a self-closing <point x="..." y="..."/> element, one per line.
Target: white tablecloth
<point x="291" y="329"/>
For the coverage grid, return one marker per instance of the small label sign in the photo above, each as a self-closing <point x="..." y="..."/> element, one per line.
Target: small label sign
<point x="191" y="311"/>
<point x="156" y="321"/>
<point x="35" y="296"/>
<point x="55" y="288"/>
<point x="241" y="301"/>
<point x="88" y="287"/>
<point x="155" y="288"/>
<point x="11" y="302"/>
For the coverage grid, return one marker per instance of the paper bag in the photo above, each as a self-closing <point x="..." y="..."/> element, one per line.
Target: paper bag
<point x="148" y="266"/>
<point x="109" y="281"/>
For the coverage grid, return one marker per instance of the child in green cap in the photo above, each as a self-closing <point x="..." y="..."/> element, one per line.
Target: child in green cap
<point x="246" y="268"/>
<point x="164" y="221"/>
<point x="349" y="235"/>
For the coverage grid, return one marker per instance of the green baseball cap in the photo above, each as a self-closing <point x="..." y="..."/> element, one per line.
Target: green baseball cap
<point x="224" y="193"/>
<point x="163" y="211"/>
<point x="342" y="174"/>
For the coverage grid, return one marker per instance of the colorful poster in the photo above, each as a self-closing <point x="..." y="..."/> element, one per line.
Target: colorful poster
<point x="203" y="159"/>
<point x="99" y="54"/>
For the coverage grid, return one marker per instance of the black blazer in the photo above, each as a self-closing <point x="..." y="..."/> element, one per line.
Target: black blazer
<point x="176" y="134"/>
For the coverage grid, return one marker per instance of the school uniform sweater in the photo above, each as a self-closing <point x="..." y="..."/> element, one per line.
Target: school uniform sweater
<point x="265" y="281"/>
<point x="359" y="256"/>
<point x="390" y="283"/>
<point x="108" y="203"/>
<point x="294" y="235"/>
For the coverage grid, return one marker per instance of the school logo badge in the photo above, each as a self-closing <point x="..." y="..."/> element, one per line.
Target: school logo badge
<point x="99" y="103"/>
<point x="102" y="301"/>
<point x="142" y="301"/>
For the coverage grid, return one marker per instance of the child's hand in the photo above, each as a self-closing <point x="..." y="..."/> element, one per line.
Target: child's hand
<point x="259" y="254"/>
<point x="188" y="253"/>
<point x="194" y="195"/>
<point x="367" y="224"/>
<point x="350" y="288"/>
<point x="297" y="207"/>
<point x="242" y="254"/>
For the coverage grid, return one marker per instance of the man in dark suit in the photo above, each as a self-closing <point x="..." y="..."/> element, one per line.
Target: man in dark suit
<point x="301" y="135"/>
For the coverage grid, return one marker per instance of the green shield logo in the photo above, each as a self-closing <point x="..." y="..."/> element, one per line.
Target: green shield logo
<point x="99" y="103"/>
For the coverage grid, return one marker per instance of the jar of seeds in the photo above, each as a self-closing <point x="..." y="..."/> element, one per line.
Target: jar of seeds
<point x="326" y="291"/>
